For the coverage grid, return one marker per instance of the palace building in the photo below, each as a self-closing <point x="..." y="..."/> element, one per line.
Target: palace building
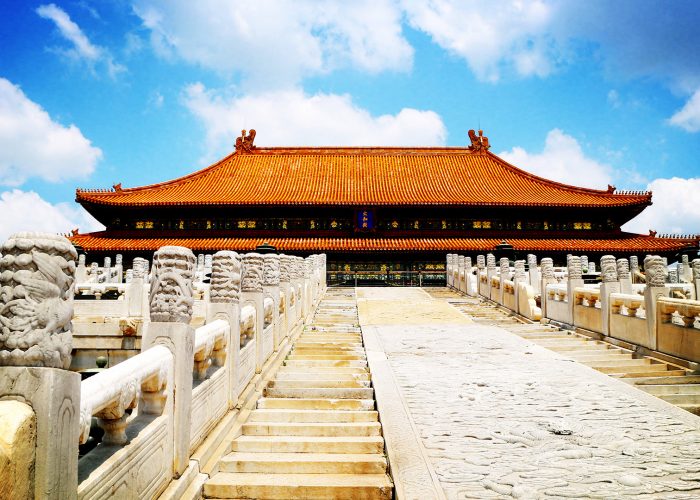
<point x="397" y="208"/>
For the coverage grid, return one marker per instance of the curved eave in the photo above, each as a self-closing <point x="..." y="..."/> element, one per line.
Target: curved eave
<point x="106" y="201"/>
<point x="628" y="243"/>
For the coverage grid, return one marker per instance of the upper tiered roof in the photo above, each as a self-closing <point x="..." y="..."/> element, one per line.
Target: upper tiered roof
<point x="362" y="176"/>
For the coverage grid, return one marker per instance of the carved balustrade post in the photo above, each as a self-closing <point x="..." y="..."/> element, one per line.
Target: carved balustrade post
<point x="224" y="297"/>
<point x="696" y="277"/>
<point x="519" y="276"/>
<point x="448" y="270"/>
<point x="574" y="280"/>
<point x="81" y="274"/>
<point x="307" y="273"/>
<point x="271" y="288"/>
<point x="610" y="284"/>
<point x="297" y="280"/>
<point x="468" y="271"/>
<point x="37" y="272"/>
<point x="634" y="268"/>
<point x="490" y="272"/>
<point x="324" y="275"/>
<point x="533" y="272"/>
<point x="462" y="273"/>
<point x="119" y="268"/>
<point x="286" y="298"/>
<point x="480" y="268"/>
<point x="655" y="273"/>
<point x="171" y="300"/>
<point x="624" y="276"/>
<point x="252" y="293"/>
<point x="504" y="273"/>
<point x="548" y="278"/>
<point x="685" y="271"/>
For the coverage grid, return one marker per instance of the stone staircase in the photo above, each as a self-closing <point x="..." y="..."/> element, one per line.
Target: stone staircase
<point x="315" y="433"/>
<point x="666" y="381"/>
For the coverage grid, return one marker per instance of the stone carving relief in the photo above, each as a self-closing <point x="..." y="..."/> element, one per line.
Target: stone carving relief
<point x="608" y="269"/>
<point x="655" y="271"/>
<point x="171" y="297"/>
<point x="81" y="259"/>
<point x="271" y="269"/>
<point x="140" y="267"/>
<point x="584" y="262"/>
<point x="505" y="268"/>
<point x="37" y="272"/>
<point x="225" y="280"/>
<point x="672" y="276"/>
<point x="252" y="276"/>
<point x="623" y="269"/>
<point x="108" y="262"/>
<point x="490" y="261"/>
<point x="285" y="268"/>
<point x="480" y="261"/>
<point x="531" y="260"/>
<point x="308" y="267"/>
<point x="547" y="268"/>
<point x="696" y="269"/>
<point x="520" y="270"/>
<point x="574" y="268"/>
<point x="634" y="263"/>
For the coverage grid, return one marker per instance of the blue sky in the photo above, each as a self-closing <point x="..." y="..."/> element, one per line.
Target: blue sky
<point x="140" y="91"/>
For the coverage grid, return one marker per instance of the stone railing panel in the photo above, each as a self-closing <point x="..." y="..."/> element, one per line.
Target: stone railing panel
<point x="677" y="329"/>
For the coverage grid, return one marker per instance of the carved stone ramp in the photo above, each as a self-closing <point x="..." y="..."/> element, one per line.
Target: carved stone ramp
<point x="482" y="412"/>
<point x="315" y="433"/>
<point x="666" y="381"/>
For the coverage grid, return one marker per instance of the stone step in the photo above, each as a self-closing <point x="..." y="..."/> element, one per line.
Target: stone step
<point x="290" y="374"/>
<point x="328" y="350"/>
<point x="313" y="416"/>
<point x="308" y="444"/>
<point x="694" y="409"/>
<point x="328" y="345"/>
<point x="651" y="371"/>
<point x="574" y="347"/>
<point x="308" y="486"/>
<point x="304" y="463"/>
<point x="301" y="356"/>
<point x="319" y="392"/>
<point x="617" y="363"/>
<point x="316" y="404"/>
<point x="324" y="369"/>
<point x="330" y="338"/>
<point x="327" y="384"/>
<point x="683" y="379"/>
<point x="672" y="389"/>
<point x="681" y="399"/>
<point x="588" y="356"/>
<point x="333" y="429"/>
<point x="332" y="363"/>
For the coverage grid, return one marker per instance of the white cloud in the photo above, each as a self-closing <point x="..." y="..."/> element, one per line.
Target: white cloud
<point x="675" y="208"/>
<point x="27" y="211"/>
<point x="489" y="35"/>
<point x="292" y="117"/>
<point x="562" y="160"/>
<point x="688" y="117"/>
<point x="82" y="48"/>
<point x="278" y="43"/>
<point x="33" y="145"/>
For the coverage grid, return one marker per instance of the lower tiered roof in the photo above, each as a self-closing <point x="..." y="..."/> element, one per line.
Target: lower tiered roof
<point x="625" y="243"/>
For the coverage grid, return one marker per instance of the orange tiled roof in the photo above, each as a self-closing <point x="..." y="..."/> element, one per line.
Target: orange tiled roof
<point x="361" y="176"/>
<point x="627" y="243"/>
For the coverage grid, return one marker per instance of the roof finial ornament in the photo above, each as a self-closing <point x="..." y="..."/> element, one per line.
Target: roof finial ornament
<point x="479" y="142"/>
<point x="244" y="143"/>
<point x="611" y="188"/>
<point x="117" y="187"/>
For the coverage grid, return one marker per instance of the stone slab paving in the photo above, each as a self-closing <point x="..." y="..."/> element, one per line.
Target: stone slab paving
<point x="483" y="413"/>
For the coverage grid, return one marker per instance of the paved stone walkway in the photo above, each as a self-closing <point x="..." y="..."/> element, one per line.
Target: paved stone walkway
<point x="473" y="411"/>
